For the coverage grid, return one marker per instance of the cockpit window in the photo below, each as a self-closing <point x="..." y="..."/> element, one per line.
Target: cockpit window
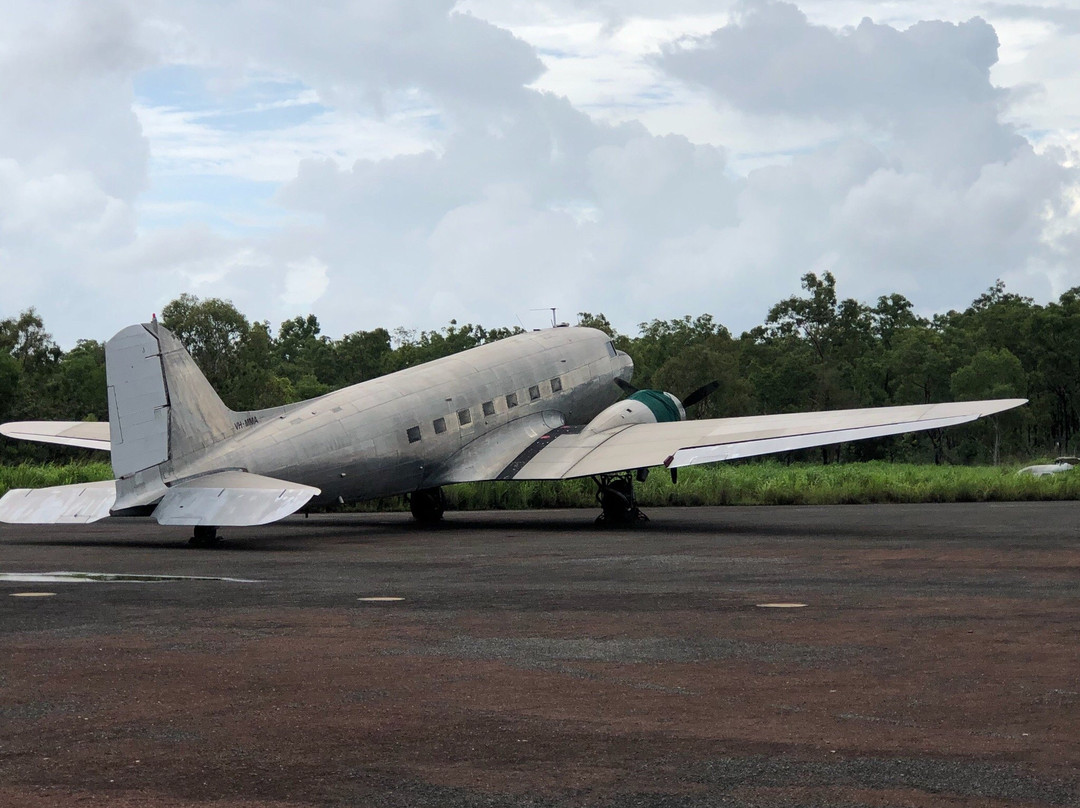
<point x="611" y="349"/>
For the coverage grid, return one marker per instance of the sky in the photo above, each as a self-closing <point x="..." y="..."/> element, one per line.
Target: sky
<point x="400" y="163"/>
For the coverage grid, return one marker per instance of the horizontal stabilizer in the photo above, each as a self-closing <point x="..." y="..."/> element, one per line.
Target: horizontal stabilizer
<point x="231" y="498"/>
<point x="76" y="504"/>
<point x="83" y="434"/>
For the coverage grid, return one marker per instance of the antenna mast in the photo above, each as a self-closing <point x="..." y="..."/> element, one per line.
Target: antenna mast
<point x="554" y="322"/>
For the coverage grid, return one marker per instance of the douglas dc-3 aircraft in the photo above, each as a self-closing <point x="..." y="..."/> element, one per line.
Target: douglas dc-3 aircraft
<point x="545" y="405"/>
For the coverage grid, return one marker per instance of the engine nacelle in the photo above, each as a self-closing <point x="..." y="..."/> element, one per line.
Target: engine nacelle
<point x="643" y="407"/>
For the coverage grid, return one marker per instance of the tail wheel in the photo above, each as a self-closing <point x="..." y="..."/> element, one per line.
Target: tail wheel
<point x="427" y="505"/>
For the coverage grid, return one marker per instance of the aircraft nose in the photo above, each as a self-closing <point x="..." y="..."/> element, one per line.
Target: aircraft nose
<point x="624" y="366"/>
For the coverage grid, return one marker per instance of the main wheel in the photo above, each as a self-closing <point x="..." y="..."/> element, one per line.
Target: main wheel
<point x="204" y="536"/>
<point x="427" y="505"/>
<point x="617" y="502"/>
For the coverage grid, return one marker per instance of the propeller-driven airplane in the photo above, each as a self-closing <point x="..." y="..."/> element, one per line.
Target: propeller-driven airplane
<point x="545" y="405"/>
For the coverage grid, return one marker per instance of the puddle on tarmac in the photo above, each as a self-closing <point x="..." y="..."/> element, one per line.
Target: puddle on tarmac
<point x="105" y="577"/>
<point x="33" y="594"/>
<point x="380" y="600"/>
<point x="780" y="605"/>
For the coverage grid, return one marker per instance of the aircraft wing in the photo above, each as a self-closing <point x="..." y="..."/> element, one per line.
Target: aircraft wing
<point x="574" y="451"/>
<point x="84" y="434"/>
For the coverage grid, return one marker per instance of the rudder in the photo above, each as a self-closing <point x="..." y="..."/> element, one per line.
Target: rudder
<point x="161" y="407"/>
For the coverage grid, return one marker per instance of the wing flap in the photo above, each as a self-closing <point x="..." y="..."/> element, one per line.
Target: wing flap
<point x="686" y="443"/>
<point x="231" y="499"/>
<point x="83" y="434"/>
<point x="77" y="504"/>
<point x="487" y="456"/>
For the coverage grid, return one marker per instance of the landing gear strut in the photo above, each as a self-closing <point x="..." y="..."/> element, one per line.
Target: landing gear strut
<point x="205" y="536"/>
<point x="617" y="501"/>
<point x="427" y="505"/>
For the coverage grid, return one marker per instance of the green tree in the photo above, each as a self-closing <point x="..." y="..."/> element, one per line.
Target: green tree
<point x="600" y="321"/>
<point x="431" y="345"/>
<point x="837" y="332"/>
<point x="214" y="332"/>
<point x="79" y="383"/>
<point x="26" y="340"/>
<point x="305" y="357"/>
<point x="362" y="355"/>
<point x="717" y="359"/>
<point x="1055" y="391"/>
<point x="990" y="374"/>
<point x="259" y="384"/>
<point x="10" y="374"/>
<point x="664" y="341"/>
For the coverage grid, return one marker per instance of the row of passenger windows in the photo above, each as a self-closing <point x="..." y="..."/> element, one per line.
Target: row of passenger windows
<point x="465" y="415"/>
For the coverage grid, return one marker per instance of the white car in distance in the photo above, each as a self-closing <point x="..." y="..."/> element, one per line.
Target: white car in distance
<point x="1060" y="464"/>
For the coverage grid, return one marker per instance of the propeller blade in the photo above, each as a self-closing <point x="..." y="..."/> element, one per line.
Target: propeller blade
<point x="699" y="394"/>
<point x="627" y="388"/>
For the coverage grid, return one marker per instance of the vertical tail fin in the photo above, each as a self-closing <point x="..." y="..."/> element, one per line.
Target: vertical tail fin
<point x="161" y="407"/>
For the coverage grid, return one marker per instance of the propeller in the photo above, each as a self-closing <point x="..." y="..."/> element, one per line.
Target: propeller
<point x="695" y="397"/>
<point x="700" y="393"/>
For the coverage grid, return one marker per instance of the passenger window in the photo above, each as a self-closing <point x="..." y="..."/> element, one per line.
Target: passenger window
<point x="534" y="392"/>
<point x="464" y="417"/>
<point x="440" y="425"/>
<point x="556" y="384"/>
<point x="489" y="408"/>
<point x="414" y="434"/>
<point x="511" y="400"/>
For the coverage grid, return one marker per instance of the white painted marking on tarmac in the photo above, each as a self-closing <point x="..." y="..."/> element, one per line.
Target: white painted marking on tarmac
<point x="63" y="577"/>
<point x="32" y="594"/>
<point x="380" y="600"/>
<point x="780" y="605"/>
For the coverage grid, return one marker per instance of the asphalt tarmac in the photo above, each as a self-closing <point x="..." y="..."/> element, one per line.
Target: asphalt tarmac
<point x="532" y="659"/>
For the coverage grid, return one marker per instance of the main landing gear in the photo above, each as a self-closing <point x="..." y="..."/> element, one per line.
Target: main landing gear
<point x="427" y="505"/>
<point x="618" y="504"/>
<point x="205" y="536"/>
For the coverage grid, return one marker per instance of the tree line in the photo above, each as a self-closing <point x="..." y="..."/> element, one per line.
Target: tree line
<point x="814" y="351"/>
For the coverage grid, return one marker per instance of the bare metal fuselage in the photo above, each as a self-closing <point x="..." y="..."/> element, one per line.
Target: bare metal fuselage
<point x="355" y="443"/>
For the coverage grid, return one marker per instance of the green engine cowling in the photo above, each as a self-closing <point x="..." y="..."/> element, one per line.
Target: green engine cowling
<point x="664" y="406"/>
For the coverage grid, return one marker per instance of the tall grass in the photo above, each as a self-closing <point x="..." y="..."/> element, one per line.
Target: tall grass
<point x="755" y="483"/>
<point x="38" y="476"/>
<point x="773" y="483"/>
